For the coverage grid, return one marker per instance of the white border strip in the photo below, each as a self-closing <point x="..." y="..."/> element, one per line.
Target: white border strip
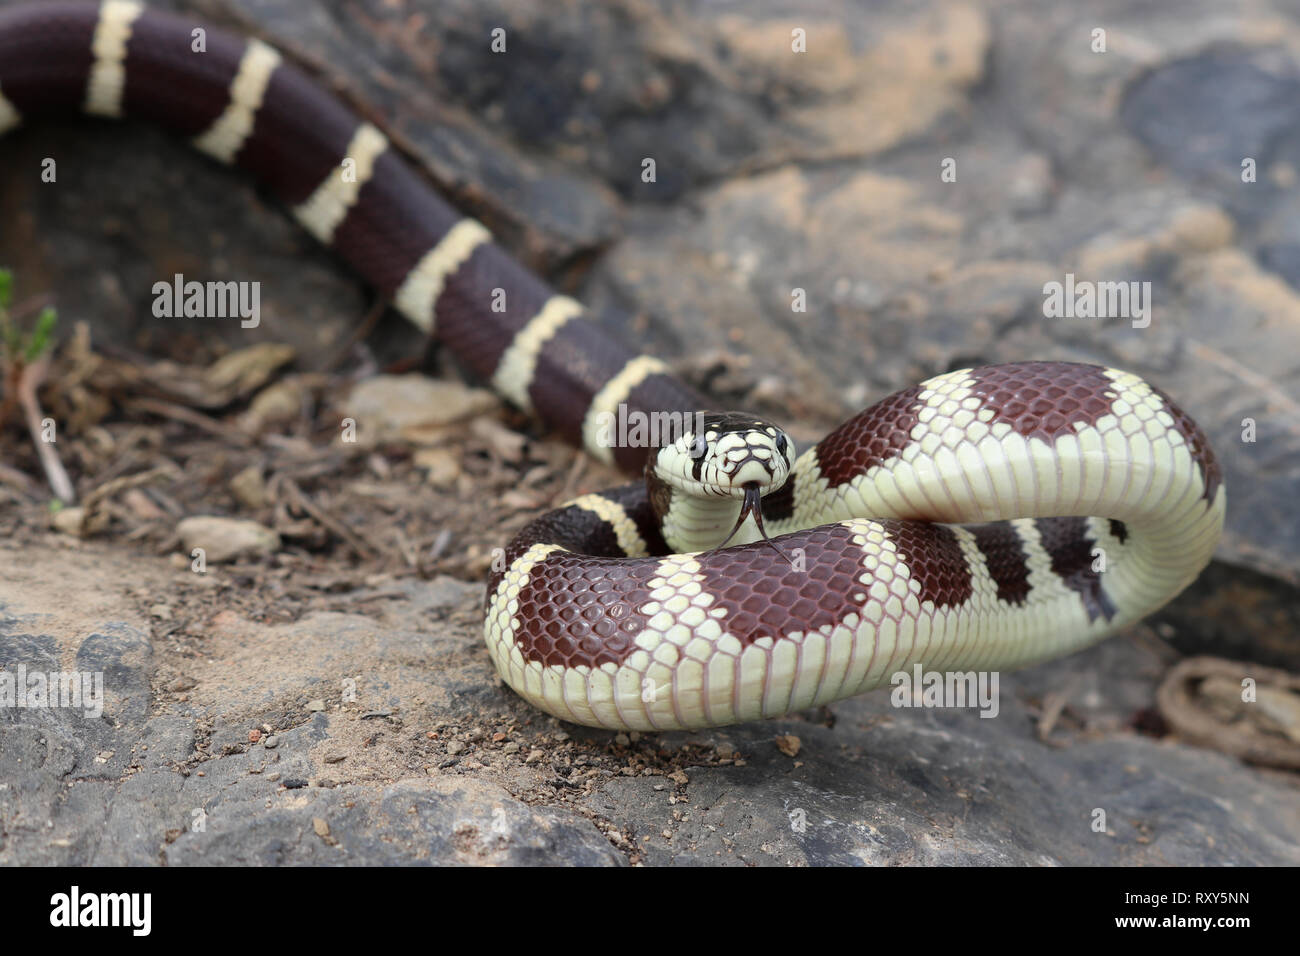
<point x="324" y="209"/>
<point x="107" y="80"/>
<point x="419" y="291"/>
<point x="616" y="516"/>
<point x="227" y="135"/>
<point x="612" y="394"/>
<point x="518" y="364"/>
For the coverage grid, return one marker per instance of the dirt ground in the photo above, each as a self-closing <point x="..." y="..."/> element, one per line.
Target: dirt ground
<point x="324" y="696"/>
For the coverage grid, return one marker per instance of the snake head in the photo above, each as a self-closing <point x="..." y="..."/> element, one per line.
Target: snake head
<point x="721" y="454"/>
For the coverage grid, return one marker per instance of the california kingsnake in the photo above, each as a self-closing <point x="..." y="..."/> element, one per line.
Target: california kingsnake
<point x="591" y="616"/>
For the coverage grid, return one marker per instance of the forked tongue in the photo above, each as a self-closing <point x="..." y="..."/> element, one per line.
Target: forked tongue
<point x="752" y="505"/>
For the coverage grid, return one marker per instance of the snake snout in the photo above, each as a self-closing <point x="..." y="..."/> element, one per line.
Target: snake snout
<point x="754" y="471"/>
<point x="723" y="454"/>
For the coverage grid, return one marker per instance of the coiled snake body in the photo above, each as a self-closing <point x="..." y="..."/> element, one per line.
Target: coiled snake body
<point x="986" y="518"/>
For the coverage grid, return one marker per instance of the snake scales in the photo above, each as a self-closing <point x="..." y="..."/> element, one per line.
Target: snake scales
<point x="957" y="524"/>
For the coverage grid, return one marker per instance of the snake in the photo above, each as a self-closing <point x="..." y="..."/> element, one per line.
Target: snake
<point x="987" y="518"/>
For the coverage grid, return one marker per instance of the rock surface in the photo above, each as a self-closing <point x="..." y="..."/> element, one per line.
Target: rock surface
<point x="420" y="756"/>
<point x="778" y="174"/>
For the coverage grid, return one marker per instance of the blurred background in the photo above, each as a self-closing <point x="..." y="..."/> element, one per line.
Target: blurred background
<point x="799" y="153"/>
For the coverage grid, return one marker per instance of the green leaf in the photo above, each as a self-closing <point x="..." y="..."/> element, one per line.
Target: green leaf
<point x="41" y="336"/>
<point x="6" y="287"/>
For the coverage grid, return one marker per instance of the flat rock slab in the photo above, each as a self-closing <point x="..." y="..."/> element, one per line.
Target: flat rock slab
<point x="777" y="174"/>
<point x="218" y="751"/>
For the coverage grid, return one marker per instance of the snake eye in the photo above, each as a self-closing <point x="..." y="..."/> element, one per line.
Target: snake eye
<point x="699" y="448"/>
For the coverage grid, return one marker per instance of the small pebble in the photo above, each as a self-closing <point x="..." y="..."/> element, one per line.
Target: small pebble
<point x="249" y="488"/>
<point x="622" y="740"/>
<point x="70" y="521"/>
<point x="511" y="748"/>
<point x="226" y="539"/>
<point x="455" y="747"/>
<point x="271" y="742"/>
<point x="254" y="736"/>
<point x="443" y="466"/>
<point x="316" y="706"/>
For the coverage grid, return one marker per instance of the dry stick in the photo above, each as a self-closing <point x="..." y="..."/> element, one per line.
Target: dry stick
<point x="13" y="368"/>
<point x="378" y="596"/>
<point x="1183" y="709"/>
<point x="359" y="543"/>
<point x="190" y="417"/>
<point x="101" y="493"/>
<point x="1053" y="704"/>
<point x="29" y="379"/>
<point x="440" y="543"/>
<point x="137" y="480"/>
<point x="16" y="479"/>
<point x="408" y="550"/>
<point x="359" y="334"/>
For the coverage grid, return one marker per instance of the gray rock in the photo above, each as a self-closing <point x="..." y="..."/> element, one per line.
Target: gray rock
<point x="869" y="783"/>
<point x="949" y="788"/>
<point x="775" y="171"/>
